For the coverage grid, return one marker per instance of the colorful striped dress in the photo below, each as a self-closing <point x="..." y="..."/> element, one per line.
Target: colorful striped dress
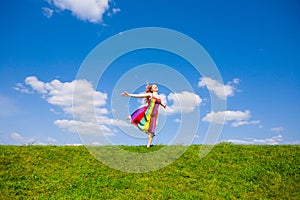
<point x="145" y="118"/>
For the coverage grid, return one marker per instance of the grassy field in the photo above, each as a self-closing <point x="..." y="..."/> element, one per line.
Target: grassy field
<point x="227" y="172"/>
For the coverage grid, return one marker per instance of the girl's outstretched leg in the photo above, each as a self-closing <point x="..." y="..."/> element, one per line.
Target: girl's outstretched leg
<point x="150" y="138"/>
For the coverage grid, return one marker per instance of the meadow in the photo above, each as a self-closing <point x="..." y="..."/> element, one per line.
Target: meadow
<point x="228" y="172"/>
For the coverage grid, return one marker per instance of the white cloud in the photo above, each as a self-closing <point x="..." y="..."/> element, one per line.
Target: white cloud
<point x="95" y="143"/>
<point x="51" y="140"/>
<point x="116" y="10"/>
<point x="177" y="120"/>
<point x="163" y="98"/>
<point x="87" y="105"/>
<point x="236" y="81"/>
<point x="84" y="106"/>
<point x="277" y="129"/>
<point x="74" y="144"/>
<point x="271" y="141"/>
<point x="18" y="138"/>
<point x="181" y="102"/>
<point x="219" y="89"/>
<point x="84" y="127"/>
<point x="23" y="140"/>
<point x="225" y="116"/>
<point x="47" y="12"/>
<point x="86" y="10"/>
<point x="238" y="118"/>
<point x="20" y="88"/>
<point x="242" y="123"/>
<point x="37" y="85"/>
<point x="54" y="111"/>
<point x="238" y="141"/>
<point x="184" y="102"/>
<point x="113" y="11"/>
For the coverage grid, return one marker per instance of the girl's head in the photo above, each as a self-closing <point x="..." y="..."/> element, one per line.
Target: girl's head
<point x="151" y="88"/>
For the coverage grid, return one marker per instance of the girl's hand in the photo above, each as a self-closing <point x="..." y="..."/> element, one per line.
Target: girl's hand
<point x="125" y="94"/>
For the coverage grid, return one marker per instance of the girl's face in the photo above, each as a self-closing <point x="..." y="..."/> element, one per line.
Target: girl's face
<point x="154" y="88"/>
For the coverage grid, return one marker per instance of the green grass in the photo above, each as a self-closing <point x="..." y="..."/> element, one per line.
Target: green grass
<point x="227" y="172"/>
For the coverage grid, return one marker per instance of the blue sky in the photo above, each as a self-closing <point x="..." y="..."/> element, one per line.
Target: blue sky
<point x="254" y="44"/>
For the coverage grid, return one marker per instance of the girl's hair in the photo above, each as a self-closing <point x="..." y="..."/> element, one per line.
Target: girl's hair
<point x="148" y="90"/>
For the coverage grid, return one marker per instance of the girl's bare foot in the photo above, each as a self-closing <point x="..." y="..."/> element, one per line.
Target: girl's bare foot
<point x="128" y="118"/>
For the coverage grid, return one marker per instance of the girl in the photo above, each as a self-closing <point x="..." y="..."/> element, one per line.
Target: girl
<point x="145" y="118"/>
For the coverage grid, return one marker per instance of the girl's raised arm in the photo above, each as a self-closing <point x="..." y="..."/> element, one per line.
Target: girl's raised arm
<point x="136" y="95"/>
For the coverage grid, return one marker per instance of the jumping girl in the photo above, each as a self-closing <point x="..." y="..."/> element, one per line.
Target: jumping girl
<point x="145" y="118"/>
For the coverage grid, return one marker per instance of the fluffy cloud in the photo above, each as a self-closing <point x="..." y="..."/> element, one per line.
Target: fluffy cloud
<point x="220" y="117"/>
<point x="83" y="127"/>
<point x="87" y="105"/>
<point x="163" y="98"/>
<point x="86" y="10"/>
<point x="238" y="118"/>
<point x="37" y="85"/>
<point x="220" y="90"/>
<point x="183" y="102"/>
